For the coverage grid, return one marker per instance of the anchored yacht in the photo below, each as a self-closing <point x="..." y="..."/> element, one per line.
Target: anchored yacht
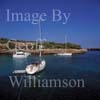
<point x="40" y="64"/>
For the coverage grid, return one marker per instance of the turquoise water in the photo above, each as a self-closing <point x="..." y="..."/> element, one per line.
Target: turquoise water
<point x="83" y="66"/>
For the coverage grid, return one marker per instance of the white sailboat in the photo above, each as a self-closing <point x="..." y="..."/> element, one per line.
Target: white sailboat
<point x="65" y="53"/>
<point x="39" y="65"/>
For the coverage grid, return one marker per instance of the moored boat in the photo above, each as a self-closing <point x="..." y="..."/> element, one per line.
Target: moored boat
<point x="20" y="54"/>
<point x="40" y="64"/>
<point x="65" y="53"/>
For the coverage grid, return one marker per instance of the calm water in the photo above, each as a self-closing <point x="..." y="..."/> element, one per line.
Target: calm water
<point x="83" y="66"/>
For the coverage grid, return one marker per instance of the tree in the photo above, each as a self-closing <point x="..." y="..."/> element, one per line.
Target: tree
<point x="3" y="40"/>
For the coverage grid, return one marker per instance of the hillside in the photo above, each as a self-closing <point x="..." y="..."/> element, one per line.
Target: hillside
<point x="47" y="45"/>
<point x="8" y="46"/>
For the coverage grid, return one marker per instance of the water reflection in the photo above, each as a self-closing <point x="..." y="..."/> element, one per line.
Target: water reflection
<point x="19" y="63"/>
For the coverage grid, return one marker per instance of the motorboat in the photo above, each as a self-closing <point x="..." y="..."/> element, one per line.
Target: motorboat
<point x="20" y="54"/>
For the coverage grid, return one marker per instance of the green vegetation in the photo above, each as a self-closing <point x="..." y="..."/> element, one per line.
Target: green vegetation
<point x="3" y="40"/>
<point x="11" y="45"/>
<point x="53" y="45"/>
<point x="47" y="45"/>
<point x="73" y="46"/>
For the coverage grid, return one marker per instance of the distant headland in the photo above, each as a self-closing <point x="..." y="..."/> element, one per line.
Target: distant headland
<point x="93" y="49"/>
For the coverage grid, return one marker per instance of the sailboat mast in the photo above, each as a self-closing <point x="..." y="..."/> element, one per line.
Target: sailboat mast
<point x="65" y="43"/>
<point x="40" y="30"/>
<point x="40" y="45"/>
<point x="16" y="46"/>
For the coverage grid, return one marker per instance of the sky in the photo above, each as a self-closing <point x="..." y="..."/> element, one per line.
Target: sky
<point x="82" y="27"/>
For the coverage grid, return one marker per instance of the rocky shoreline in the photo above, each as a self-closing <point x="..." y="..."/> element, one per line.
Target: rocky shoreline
<point x="48" y="51"/>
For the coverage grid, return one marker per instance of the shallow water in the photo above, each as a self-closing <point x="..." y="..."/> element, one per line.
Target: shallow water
<point x="82" y="66"/>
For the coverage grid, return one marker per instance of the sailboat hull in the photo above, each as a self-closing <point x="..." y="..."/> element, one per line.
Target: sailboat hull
<point x="64" y="54"/>
<point x="19" y="56"/>
<point x="32" y="69"/>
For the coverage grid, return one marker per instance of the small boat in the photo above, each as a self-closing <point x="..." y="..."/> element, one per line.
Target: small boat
<point x="20" y="54"/>
<point x="19" y="71"/>
<point x="38" y="65"/>
<point x="65" y="53"/>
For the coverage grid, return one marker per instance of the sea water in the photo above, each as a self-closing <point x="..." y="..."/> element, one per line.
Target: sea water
<point x="81" y="66"/>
